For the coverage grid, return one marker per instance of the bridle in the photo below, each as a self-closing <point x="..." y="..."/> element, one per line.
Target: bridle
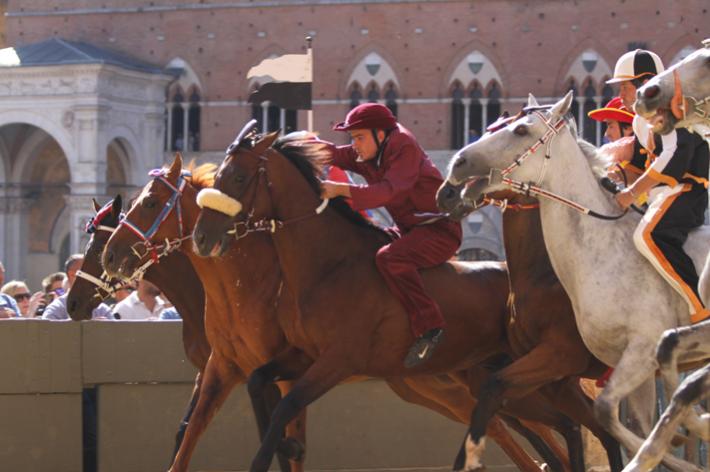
<point x="526" y="188"/>
<point x="157" y="251"/>
<point x="242" y="228"/>
<point x="101" y="284"/>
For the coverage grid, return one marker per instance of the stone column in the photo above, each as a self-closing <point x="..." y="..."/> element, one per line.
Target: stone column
<point x="466" y="119"/>
<point x="169" y="130"/>
<point x="265" y="117"/>
<point x="13" y="233"/>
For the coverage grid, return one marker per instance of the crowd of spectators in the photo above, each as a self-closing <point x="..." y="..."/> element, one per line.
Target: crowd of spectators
<point x="141" y="301"/>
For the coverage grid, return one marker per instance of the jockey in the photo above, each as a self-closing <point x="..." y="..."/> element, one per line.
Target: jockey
<point x="617" y="119"/>
<point x="401" y="178"/>
<point x="676" y="174"/>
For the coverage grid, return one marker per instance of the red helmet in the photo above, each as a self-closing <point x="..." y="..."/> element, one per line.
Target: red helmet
<point x="368" y="116"/>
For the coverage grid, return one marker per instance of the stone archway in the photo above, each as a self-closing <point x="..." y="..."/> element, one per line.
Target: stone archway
<point x="33" y="221"/>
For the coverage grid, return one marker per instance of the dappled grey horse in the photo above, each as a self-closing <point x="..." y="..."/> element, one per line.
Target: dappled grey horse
<point x="679" y="97"/>
<point x="622" y="304"/>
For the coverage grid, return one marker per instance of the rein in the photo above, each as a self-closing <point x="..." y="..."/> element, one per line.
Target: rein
<point x="100" y="283"/>
<point x="534" y="190"/>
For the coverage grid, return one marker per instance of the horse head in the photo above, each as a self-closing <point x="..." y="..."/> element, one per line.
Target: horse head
<point x="673" y="97"/>
<point x="240" y="192"/>
<point x="91" y="286"/>
<point x="495" y="155"/>
<point x="158" y="222"/>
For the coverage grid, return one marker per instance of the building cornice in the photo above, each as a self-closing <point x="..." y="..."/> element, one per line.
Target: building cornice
<point x="214" y="6"/>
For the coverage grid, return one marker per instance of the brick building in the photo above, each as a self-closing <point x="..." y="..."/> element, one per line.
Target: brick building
<point x="114" y="86"/>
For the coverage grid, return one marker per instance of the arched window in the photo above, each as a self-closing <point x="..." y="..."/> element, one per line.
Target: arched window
<point x="574" y="109"/>
<point x="493" y="105"/>
<point x="373" y="95"/>
<point x="607" y="93"/>
<point x="475" y="112"/>
<point x="193" y="122"/>
<point x="457" y="116"/>
<point x="177" y="127"/>
<point x="589" y="132"/>
<point x="391" y="99"/>
<point x="355" y="96"/>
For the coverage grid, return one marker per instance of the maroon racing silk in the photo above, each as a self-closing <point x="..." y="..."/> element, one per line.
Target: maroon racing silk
<point x="404" y="180"/>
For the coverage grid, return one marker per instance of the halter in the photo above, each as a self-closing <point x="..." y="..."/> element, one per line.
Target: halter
<point x="218" y="200"/>
<point x="529" y="189"/>
<point x="173" y="202"/>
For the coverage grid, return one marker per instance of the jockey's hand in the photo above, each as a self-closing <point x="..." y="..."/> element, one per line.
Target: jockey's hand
<point x="330" y="189"/>
<point x="615" y="175"/>
<point x="625" y="198"/>
<point x="621" y="150"/>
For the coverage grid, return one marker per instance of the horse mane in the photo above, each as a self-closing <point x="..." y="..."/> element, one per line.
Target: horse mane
<point x="598" y="161"/>
<point x="201" y="176"/>
<point x="310" y="157"/>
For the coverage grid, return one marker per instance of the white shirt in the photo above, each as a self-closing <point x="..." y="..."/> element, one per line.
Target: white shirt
<point x="131" y="308"/>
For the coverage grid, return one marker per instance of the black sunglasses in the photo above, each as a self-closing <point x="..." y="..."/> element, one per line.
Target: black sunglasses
<point x="21" y="296"/>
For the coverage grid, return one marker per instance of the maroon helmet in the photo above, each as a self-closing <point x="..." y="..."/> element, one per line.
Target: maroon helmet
<point x="368" y="116"/>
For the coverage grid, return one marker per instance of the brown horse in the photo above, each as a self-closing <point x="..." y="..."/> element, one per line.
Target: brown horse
<point x="348" y="323"/>
<point x="184" y="291"/>
<point x="254" y="308"/>
<point x="545" y="342"/>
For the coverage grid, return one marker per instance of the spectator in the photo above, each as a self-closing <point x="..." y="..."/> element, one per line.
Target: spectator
<point x="2" y="274"/>
<point x="145" y="303"/>
<point x="123" y="292"/>
<point x="8" y="306"/>
<point x="57" y="309"/>
<point x="52" y="288"/>
<point x="26" y="302"/>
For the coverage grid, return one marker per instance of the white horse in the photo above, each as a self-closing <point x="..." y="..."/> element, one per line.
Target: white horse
<point x="621" y="303"/>
<point x="679" y="97"/>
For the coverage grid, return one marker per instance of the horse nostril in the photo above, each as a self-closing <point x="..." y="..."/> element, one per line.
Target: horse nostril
<point x="651" y="91"/>
<point x="449" y="193"/>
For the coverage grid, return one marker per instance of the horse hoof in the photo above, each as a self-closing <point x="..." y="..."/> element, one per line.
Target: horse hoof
<point x="292" y="449"/>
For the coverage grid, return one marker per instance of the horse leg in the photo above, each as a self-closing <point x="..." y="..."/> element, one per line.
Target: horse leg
<point x="186" y="419"/>
<point x="289" y="448"/>
<point x="636" y="366"/>
<point x="692" y="390"/>
<point x="517" y="380"/>
<point x="540" y="438"/>
<point x="450" y="396"/>
<point x="686" y="344"/>
<point x="318" y="379"/>
<point x="572" y="401"/>
<point x="293" y="445"/>
<point x="219" y="378"/>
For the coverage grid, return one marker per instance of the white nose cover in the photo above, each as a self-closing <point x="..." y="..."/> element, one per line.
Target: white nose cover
<point x="215" y="200"/>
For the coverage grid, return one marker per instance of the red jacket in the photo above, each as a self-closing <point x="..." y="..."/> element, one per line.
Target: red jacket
<point x="405" y="182"/>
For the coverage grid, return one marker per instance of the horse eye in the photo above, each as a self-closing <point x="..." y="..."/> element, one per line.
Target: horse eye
<point x="149" y="203"/>
<point x="521" y="130"/>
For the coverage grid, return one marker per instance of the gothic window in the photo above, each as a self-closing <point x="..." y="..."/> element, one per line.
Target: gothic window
<point x="373" y="95"/>
<point x="391" y="99"/>
<point x="475" y="127"/>
<point x="355" y="96"/>
<point x="458" y="109"/>
<point x="193" y="122"/>
<point x="493" y="106"/>
<point x="177" y="127"/>
<point x="589" y="132"/>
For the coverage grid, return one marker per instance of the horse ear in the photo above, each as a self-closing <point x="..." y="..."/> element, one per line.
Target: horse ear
<point x="560" y="108"/>
<point x="268" y="140"/>
<point x="117" y="205"/>
<point x="97" y="207"/>
<point x="532" y="101"/>
<point x="176" y="166"/>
